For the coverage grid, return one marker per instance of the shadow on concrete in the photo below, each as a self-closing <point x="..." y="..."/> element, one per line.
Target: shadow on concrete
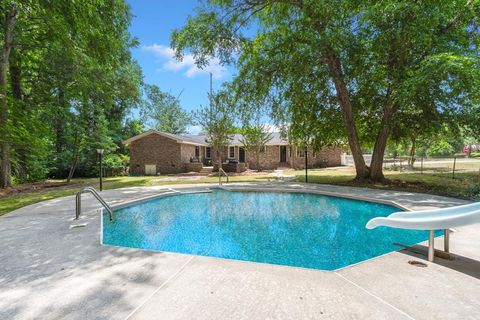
<point x="452" y="261"/>
<point x="51" y="271"/>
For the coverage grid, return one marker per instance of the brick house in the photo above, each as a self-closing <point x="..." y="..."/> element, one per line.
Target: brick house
<point x="154" y="152"/>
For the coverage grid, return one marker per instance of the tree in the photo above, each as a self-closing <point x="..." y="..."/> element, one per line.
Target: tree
<point x="363" y="58"/>
<point x="8" y="21"/>
<point x="419" y="125"/>
<point x="165" y="111"/>
<point x="254" y="138"/>
<point x="72" y="82"/>
<point x="217" y="124"/>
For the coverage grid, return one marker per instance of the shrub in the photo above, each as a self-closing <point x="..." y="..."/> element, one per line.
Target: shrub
<point x="473" y="191"/>
<point x="441" y="148"/>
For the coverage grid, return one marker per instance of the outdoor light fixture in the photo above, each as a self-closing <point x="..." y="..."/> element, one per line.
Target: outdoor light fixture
<point x="100" y="154"/>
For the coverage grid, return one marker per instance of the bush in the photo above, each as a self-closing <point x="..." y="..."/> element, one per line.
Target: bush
<point x="440" y="148"/>
<point x="473" y="191"/>
<point x="113" y="160"/>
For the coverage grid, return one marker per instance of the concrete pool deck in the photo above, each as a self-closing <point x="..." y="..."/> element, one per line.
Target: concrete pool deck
<point x="49" y="270"/>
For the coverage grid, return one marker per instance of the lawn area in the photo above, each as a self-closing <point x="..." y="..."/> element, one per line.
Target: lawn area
<point x="18" y="200"/>
<point x="465" y="185"/>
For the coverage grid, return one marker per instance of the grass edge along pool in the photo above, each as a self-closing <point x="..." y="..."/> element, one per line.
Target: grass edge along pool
<point x="292" y="229"/>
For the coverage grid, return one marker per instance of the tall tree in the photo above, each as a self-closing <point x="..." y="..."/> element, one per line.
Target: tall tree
<point x="217" y="124"/>
<point x="365" y="58"/>
<point x="254" y="139"/>
<point x="166" y="112"/>
<point x="72" y="84"/>
<point x="8" y="20"/>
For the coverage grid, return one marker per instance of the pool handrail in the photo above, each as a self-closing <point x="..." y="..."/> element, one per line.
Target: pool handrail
<point x="220" y="172"/>
<point x="78" y="202"/>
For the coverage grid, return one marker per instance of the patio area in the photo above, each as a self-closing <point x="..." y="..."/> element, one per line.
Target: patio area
<point x="50" y="270"/>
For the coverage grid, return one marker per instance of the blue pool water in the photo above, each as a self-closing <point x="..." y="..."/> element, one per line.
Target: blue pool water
<point x="292" y="229"/>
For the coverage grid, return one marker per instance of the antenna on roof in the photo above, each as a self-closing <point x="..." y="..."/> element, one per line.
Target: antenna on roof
<point x="211" y="93"/>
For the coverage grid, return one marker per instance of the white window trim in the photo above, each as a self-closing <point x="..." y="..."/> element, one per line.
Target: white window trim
<point x="299" y="152"/>
<point x="206" y="153"/>
<point x="229" y="155"/>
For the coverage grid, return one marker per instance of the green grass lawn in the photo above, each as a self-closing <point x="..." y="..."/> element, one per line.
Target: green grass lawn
<point x="440" y="183"/>
<point x="22" y="199"/>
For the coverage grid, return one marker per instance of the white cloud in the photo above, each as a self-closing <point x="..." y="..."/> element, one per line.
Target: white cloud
<point x="187" y="65"/>
<point x="195" y="129"/>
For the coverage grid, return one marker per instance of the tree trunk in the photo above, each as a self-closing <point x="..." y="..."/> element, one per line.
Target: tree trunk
<point x="59" y="131"/>
<point x="376" y="166"/>
<point x="72" y="167"/>
<point x="413" y="149"/>
<point x="257" y="160"/>
<point x="8" y="24"/>
<point x="17" y="94"/>
<point x="76" y="154"/>
<point x="335" y="68"/>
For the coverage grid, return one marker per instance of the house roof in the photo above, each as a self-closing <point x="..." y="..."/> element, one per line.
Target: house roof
<point x="201" y="140"/>
<point x="275" y="140"/>
<point x="195" y="140"/>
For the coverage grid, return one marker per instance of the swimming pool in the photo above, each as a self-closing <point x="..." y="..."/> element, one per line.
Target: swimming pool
<point x="292" y="229"/>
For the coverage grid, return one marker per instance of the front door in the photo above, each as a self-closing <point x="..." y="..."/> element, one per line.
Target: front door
<point x="241" y="155"/>
<point x="283" y="153"/>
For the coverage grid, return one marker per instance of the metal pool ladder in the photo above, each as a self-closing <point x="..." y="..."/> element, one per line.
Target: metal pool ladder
<point x="78" y="202"/>
<point x="220" y="172"/>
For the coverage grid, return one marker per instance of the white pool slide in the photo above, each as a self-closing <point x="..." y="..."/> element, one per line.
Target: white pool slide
<point x="431" y="220"/>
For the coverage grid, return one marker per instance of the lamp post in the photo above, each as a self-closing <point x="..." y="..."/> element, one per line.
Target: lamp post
<point x="306" y="164"/>
<point x="100" y="154"/>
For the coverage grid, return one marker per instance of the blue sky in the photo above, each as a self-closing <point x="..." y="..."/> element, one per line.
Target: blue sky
<point x="152" y="24"/>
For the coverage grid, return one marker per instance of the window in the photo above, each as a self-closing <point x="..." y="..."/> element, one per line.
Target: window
<point x="208" y="152"/>
<point x="300" y="152"/>
<point x="231" y="152"/>
<point x="197" y="152"/>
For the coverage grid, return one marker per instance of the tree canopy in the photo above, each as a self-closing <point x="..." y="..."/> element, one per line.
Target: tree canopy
<point x="68" y="84"/>
<point x="349" y="69"/>
<point x="165" y="111"/>
<point x="217" y="123"/>
<point x="254" y="138"/>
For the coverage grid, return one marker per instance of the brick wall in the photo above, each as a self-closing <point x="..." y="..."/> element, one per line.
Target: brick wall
<point x="170" y="156"/>
<point x="223" y="154"/>
<point x="193" y="167"/>
<point x="187" y="152"/>
<point x="268" y="160"/>
<point x="154" y="149"/>
<point x="331" y="154"/>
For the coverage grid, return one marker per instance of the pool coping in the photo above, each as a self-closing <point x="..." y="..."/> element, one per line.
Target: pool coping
<point x="245" y="188"/>
<point x="54" y="271"/>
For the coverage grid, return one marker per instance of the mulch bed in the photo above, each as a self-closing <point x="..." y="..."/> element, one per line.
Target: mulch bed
<point x="36" y="186"/>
